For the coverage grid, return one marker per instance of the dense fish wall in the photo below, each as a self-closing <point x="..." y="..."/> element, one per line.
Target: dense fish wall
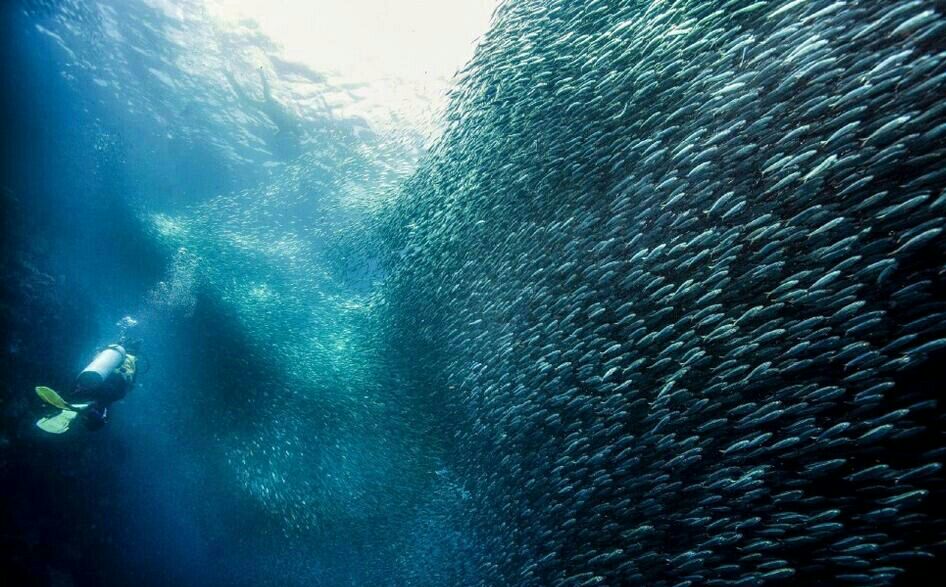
<point x="677" y="272"/>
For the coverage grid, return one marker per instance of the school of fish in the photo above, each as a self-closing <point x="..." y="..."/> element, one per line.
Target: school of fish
<point x="676" y="273"/>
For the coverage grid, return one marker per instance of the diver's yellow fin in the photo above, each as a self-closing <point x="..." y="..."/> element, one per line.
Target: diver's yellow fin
<point x="59" y="423"/>
<point x="54" y="399"/>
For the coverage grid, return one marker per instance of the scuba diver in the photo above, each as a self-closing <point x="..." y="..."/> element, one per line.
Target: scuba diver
<point x="107" y="379"/>
<point x="286" y="142"/>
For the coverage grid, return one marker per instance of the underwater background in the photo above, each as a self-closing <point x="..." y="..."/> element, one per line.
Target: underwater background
<point x="647" y="293"/>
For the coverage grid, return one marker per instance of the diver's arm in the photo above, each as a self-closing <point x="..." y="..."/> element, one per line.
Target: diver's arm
<point x="267" y="93"/>
<point x="236" y="86"/>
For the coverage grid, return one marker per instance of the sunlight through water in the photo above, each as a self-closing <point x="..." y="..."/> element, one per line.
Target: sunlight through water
<point x="398" y="55"/>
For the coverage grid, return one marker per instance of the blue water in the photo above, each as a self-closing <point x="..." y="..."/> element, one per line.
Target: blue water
<point x="636" y="305"/>
<point x="201" y="477"/>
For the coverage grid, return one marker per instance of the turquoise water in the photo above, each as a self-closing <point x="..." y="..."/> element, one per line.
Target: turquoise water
<point x="648" y="293"/>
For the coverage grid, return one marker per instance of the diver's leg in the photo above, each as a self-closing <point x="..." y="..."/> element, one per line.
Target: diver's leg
<point x="95" y="415"/>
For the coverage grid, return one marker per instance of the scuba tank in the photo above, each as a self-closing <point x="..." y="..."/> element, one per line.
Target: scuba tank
<point x="108" y="359"/>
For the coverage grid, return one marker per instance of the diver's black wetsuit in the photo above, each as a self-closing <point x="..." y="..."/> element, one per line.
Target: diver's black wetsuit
<point x="115" y="387"/>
